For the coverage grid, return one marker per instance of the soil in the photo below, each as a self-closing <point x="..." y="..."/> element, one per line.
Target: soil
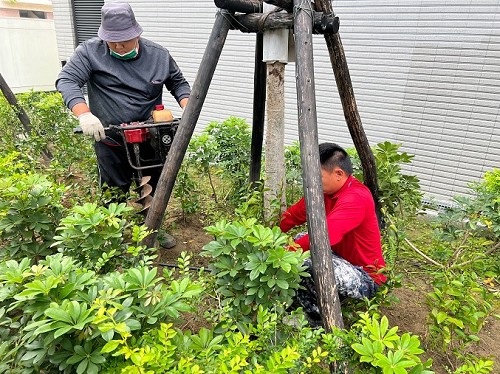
<point x="410" y="313"/>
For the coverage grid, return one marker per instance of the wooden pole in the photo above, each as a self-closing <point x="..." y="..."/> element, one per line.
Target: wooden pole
<point x="259" y="22"/>
<point x="242" y="6"/>
<point x="284" y="4"/>
<point x="20" y="112"/>
<point x="259" y="105"/>
<point x="321" y="254"/>
<point x="252" y="6"/>
<point x="187" y="124"/>
<point x="351" y="114"/>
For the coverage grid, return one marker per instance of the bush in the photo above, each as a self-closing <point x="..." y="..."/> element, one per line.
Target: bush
<point x="252" y="266"/>
<point x="266" y="346"/>
<point x="52" y="127"/>
<point x="293" y="173"/>
<point x="95" y="236"/>
<point x="380" y="349"/>
<point x="59" y="315"/>
<point x="399" y="193"/>
<point x="226" y="147"/>
<point x="30" y="209"/>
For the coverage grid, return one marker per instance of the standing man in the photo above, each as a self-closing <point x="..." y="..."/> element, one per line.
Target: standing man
<point x="352" y="229"/>
<point x="125" y="75"/>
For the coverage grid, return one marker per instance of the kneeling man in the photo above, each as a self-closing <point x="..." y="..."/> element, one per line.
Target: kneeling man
<point x="352" y="229"/>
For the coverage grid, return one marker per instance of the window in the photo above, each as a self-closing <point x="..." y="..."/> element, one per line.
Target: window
<point x="87" y="18"/>
<point x="32" y="14"/>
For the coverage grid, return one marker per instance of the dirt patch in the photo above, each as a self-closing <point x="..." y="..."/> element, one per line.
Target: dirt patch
<point x="191" y="237"/>
<point x="410" y="313"/>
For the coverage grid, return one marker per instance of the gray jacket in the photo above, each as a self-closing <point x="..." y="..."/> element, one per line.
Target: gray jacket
<point x="121" y="90"/>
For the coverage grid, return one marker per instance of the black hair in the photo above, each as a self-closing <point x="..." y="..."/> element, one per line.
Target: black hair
<point x="332" y="155"/>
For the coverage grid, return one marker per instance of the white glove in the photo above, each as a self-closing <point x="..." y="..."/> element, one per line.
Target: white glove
<point x="92" y="126"/>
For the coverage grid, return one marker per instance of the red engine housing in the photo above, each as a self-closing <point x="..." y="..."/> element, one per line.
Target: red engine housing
<point x="135" y="135"/>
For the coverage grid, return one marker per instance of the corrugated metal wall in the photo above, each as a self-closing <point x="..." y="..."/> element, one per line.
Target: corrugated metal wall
<point x="425" y="74"/>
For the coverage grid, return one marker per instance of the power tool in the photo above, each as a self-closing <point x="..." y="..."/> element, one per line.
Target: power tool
<point x="159" y="135"/>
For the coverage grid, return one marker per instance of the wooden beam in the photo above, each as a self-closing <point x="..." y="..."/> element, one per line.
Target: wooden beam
<point x="351" y="114"/>
<point x="242" y="6"/>
<point x="187" y="125"/>
<point x="259" y="105"/>
<point x="259" y="22"/>
<point x="252" y="6"/>
<point x="321" y="254"/>
<point x="284" y="4"/>
<point x="21" y="113"/>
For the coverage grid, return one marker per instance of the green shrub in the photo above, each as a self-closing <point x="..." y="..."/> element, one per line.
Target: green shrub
<point x="186" y="190"/>
<point x="371" y="346"/>
<point x="30" y="210"/>
<point x="52" y="127"/>
<point x="399" y="193"/>
<point x="266" y="346"/>
<point x="467" y="234"/>
<point x="482" y="210"/>
<point x="252" y="265"/>
<point x="59" y="316"/>
<point x="293" y="173"/>
<point x="96" y="236"/>
<point x="460" y="306"/>
<point x="224" y="146"/>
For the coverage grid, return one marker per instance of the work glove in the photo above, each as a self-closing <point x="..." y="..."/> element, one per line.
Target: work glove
<point x="92" y="126"/>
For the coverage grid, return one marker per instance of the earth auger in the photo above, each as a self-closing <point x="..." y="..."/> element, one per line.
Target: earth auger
<point x="159" y="135"/>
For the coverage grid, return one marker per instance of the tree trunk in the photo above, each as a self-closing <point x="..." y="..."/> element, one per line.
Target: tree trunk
<point x="321" y="254"/>
<point x="187" y="124"/>
<point x="275" y="138"/>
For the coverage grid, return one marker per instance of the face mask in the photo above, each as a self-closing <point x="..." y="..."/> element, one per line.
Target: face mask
<point x="125" y="56"/>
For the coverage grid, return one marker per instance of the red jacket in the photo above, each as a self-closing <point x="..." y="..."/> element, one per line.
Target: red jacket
<point x="352" y="226"/>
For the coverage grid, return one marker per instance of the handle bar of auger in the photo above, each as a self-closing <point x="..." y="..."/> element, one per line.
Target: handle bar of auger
<point x="139" y="125"/>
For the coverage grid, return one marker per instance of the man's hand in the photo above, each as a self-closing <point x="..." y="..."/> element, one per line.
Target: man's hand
<point x="92" y="126"/>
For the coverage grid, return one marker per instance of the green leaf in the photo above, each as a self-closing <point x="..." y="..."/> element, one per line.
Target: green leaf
<point x="61" y="331"/>
<point x="441" y="316"/>
<point x="82" y="367"/>
<point x="74" y="359"/>
<point x="58" y="314"/>
<point x="456" y="322"/>
<point x="283" y="284"/>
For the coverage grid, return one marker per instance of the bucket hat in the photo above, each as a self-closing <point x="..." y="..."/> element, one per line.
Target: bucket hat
<point x="118" y="23"/>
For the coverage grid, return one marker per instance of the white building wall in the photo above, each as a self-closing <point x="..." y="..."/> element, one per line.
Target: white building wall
<point x="63" y="21"/>
<point x="425" y="74"/>
<point x="29" y="58"/>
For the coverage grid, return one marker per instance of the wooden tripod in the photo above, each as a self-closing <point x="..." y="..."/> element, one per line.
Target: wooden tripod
<point x="307" y="18"/>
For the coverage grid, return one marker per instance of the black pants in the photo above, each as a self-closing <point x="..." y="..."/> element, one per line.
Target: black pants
<point x="114" y="167"/>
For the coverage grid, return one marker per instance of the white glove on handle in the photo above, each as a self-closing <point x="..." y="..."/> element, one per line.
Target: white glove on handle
<point x="92" y="126"/>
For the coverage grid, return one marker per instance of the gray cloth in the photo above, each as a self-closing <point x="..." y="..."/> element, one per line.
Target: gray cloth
<point x="118" y="23"/>
<point x="121" y="90"/>
<point x="352" y="282"/>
